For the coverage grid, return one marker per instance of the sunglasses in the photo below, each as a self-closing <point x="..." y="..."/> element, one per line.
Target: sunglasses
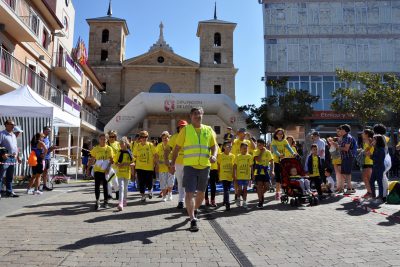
<point x="140" y="137"/>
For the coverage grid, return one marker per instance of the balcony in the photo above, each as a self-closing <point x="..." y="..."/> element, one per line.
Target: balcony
<point x="67" y="69"/>
<point x="14" y="74"/>
<point x="93" y="96"/>
<point x="18" y="20"/>
<point x="89" y="119"/>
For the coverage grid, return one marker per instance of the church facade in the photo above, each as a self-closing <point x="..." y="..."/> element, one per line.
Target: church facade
<point x="161" y="70"/>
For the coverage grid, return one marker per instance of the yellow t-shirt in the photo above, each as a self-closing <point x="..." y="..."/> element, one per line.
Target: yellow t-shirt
<point x="101" y="153"/>
<point x="225" y="163"/>
<point x="243" y="166"/>
<point x="116" y="147"/>
<point x="266" y="157"/>
<point x="368" y="160"/>
<point x="180" y="141"/>
<point x="172" y="144"/>
<point x="144" y="156"/>
<point x="236" y="146"/>
<point x="124" y="171"/>
<point x="280" y="146"/>
<point x="315" y="167"/>
<point x="288" y="154"/>
<point x="133" y="145"/>
<point x="162" y="167"/>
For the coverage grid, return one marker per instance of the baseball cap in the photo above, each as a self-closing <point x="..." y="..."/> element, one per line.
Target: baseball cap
<point x="315" y="133"/>
<point x="17" y="129"/>
<point x="242" y="130"/>
<point x="182" y="123"/>
<point x="165" y="133"/>
<point x="229" y="128"/>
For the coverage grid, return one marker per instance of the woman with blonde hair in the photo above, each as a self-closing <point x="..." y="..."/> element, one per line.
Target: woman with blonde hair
<point x="113" y="178"/>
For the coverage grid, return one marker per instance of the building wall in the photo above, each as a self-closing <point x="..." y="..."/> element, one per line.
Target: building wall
<point x="308" y="40"/>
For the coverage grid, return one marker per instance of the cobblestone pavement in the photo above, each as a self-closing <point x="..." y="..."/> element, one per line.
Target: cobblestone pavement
<point x="62" y="230"/>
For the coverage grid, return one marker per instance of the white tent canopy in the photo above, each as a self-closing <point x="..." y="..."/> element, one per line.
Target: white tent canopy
<point x="24" y="102"/>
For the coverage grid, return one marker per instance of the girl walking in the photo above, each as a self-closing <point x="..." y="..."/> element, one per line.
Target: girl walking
<point x="124" y="160"/>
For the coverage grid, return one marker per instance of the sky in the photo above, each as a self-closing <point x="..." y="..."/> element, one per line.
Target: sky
<point x="180" y="19"/>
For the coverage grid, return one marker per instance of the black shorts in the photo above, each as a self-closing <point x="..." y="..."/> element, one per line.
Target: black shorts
<point x="47" y="164"/>
<point x="367" y="166"/>
<point x="264" y="178"/>
<point x="278" y="173"/>
<point x="38" y="169"/>
<point x="347" y="166"/>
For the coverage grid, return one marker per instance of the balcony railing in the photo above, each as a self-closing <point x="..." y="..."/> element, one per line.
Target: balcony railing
<point x="64" y="60"/>
<point x="93" y="93"/>
<point x="22" y="9"/>
<point x="88" y="117"/>
<point x="19" y="73"/>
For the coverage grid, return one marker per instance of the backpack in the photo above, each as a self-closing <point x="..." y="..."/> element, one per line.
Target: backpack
<point x="394" y="193"/>
<point x="32" y="160"/>
<point x="353" y="146"/>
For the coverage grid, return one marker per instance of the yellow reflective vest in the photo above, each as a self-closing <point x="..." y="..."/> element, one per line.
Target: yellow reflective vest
<point x="196" y="150"/>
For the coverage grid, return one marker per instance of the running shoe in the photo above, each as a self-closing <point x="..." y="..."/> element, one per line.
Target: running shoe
<point x="29" y="191"/>
<point x="96" y="206"/>
<point x="180" y="205"/>
<point x="45" y="188"/>
<point x="150" y="195"/>
<point x="105" y="205"/>
<point x="260" y="205"/>
<point x="213" y="204"/>
<point x="37" y="192"/>
<point x="245" y="204"/>
<point x="164" y="199"/>
<point x="169" y="197"/>
<point x="193" y="226"/>
<point x="143" y="199"/>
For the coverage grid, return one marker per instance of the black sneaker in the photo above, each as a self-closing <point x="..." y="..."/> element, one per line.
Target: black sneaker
<point x="12" y="194"/>
<point x="180" y="205"/>
<point x="227" y="207"/>
<point x="45" y="188"/>
<point x="193" y="226"/>
<point x="260" y="205"/>
<point x="96" y="206"/>
<point x="196" y="213"/>
<point x="150" y="195"/>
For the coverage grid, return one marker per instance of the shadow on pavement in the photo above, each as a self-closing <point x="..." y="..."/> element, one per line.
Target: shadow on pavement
<point x="122" y="237"/>
<point x="392" y="220"/>
<point x="136" y="215"/>
<point x="352" y="208"/>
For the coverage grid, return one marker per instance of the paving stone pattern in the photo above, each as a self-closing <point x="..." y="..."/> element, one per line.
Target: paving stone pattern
<point x="62" y="230"/>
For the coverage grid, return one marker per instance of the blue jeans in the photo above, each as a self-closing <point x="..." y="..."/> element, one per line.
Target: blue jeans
<point x="7" y="172"/>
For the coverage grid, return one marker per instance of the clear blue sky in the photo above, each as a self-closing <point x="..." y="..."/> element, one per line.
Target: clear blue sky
<point x="180" y="18"/>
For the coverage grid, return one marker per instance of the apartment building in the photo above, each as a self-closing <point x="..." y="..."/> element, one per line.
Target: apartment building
<point x="36" y="38"/>
<point x="307" y="40"/>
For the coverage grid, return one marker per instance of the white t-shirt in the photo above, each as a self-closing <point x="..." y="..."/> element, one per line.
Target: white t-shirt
<point x="331" y="182"/>
<point x="321" y="147"/>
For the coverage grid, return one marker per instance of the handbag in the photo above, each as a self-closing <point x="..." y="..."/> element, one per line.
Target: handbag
<point x="32" y="160"/>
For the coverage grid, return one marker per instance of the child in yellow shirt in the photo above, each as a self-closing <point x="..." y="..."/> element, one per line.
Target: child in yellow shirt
<point x="242" y="173"/>
<point x="225" y="162"/>
<point x="123" y="162"/>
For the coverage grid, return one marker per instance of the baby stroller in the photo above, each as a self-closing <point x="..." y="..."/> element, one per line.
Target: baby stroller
<point x="292" y="189"/>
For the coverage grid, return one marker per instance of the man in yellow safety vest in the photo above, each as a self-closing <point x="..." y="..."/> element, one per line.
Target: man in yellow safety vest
<point x="196" y="140"/>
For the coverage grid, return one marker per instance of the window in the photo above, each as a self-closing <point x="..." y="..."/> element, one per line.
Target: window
<point x="217" y="39"/>
<point x="105" y="36"/>
<point x="385" y="14"/>
<point x="160" y="88"/>
<point x="35" y="23"/>
<point x="104" y="55"/>
<point x="217" y="89"/>
<point x="45" y="39"/>
<point x="217" y="58"/>
<point x="361" y="15"/>
<point x="31" y="76"/>
<point x="217" y="129"/>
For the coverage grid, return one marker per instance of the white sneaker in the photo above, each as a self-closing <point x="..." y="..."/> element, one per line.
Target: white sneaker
<point x="164" y="199"/>
<point x="237" y="203"/>
<point x="169" y="198"/>
<point x="29" y="191"/>
<point x="37" y="192"/>
<point x="244" y="204"/>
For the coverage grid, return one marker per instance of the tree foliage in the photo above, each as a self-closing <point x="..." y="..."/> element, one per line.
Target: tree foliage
<point x="368" y="97"/>
<point x="286" y="107"/>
